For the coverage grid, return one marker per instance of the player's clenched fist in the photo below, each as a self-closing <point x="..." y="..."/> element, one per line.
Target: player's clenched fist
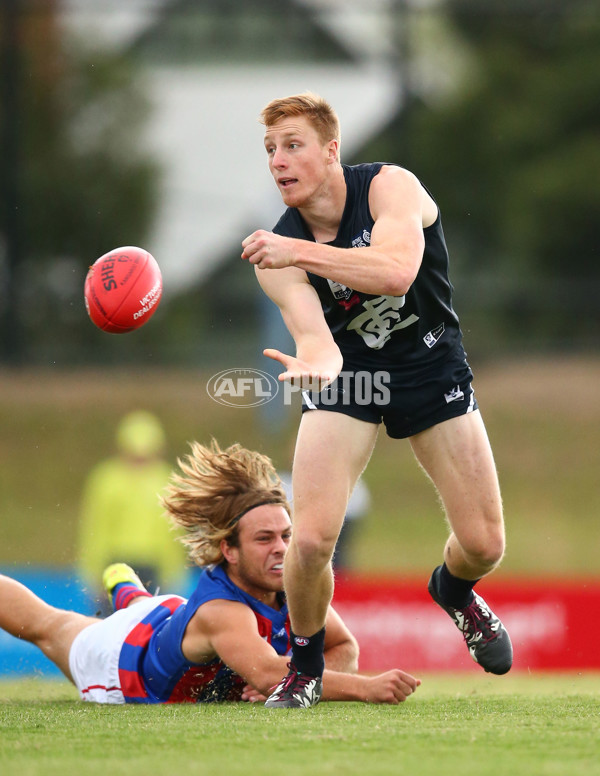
<point x="391" y="687"/>
<point x="267" y="250"/>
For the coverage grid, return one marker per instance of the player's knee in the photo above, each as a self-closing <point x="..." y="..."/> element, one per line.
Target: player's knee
<point x="486" y="551"/>
<point x="46" y="627"/>
<point x="32" y="631"/>
<point x="314" y="548"/>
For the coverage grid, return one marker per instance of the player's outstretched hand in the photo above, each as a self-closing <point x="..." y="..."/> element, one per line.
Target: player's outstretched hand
<point x="302" y="374"/>
<point x="391" y="687"/>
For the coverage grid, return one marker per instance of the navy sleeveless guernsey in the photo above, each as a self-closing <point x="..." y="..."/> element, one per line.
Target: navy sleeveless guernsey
<point x="414" y="332"/>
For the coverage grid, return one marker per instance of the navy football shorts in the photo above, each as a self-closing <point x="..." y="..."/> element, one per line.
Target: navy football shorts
<point x="405" y="406"/>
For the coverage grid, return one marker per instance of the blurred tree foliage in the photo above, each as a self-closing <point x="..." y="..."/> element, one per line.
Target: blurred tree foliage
<point x="84" y="185"/>
<point x="512" y="154"/>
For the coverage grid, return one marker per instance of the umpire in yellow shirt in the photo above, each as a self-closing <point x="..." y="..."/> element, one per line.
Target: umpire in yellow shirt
<point x="121" y="515"/>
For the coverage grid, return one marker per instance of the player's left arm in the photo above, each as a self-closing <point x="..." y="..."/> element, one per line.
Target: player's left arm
<point x="391" y="262"/>
<point x="227" y="629"/>
<point x="341" y="648"/>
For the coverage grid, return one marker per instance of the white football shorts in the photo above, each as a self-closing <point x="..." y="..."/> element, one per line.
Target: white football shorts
<point x="94" y="655"/>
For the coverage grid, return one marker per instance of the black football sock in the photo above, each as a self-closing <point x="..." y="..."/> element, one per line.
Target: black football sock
<point x="454" y="591"/>
<point x="307" y="653"/>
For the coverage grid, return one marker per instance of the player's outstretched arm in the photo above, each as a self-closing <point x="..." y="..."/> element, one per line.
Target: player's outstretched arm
<point x="228" y="629"/>
<point x="318" y="360"/>
<point x="341" y="652"/>
<point x="392" y="687"/>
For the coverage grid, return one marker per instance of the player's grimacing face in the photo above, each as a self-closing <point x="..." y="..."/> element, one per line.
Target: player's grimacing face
<point x="257" y="563"/>
<point x="298" y="159"/>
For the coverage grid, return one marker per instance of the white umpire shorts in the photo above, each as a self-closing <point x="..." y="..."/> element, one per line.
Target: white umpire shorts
<point x="94" y="655"/>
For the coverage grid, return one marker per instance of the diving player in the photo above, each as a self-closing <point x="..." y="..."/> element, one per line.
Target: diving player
<point x="230" y="640"/>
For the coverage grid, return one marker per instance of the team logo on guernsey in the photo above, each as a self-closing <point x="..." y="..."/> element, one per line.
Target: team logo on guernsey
<point x="380" y="320"/>
<point x="362" y="240"/>
<point x="339" y="291"/>
<point x="433" y="336"/>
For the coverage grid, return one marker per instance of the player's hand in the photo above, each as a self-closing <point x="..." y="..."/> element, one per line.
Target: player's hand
<point x="267" y="250"/>
<point x="251" y="695"/>
<point x="391" y="687"/>
<point x="302" y="374"/>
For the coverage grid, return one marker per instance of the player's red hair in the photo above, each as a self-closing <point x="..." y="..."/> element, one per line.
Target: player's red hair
<point x="317" y="110"/>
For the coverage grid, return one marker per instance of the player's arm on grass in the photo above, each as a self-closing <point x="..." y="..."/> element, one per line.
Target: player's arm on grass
<point x="228" y="629"/>
<point x="341" y="648"/>
<point x="318" y="360"/>
<point x="340" y="680"/>
<point x="341" y="652"/>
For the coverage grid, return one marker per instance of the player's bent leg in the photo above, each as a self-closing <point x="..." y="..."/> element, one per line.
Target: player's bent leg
<point x="27" y="617"/>
<point x="486" y="637"/>
<point x="457" y="456"/>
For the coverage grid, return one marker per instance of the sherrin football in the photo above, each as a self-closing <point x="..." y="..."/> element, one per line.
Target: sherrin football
<point x="123" y="289"/>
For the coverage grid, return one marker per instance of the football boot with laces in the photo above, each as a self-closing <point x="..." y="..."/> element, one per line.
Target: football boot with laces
<point x="487" y="639"/>
<point x="295" y="691"/>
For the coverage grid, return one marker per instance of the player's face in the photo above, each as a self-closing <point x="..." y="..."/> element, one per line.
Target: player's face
<point x="299" y="161"/>
<point x="256" y="565"/>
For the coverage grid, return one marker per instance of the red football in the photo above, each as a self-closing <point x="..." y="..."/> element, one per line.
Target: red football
<point x="123" y="289"/>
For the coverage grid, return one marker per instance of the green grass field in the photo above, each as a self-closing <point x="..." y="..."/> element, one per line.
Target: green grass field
<point x="521" y="725"/>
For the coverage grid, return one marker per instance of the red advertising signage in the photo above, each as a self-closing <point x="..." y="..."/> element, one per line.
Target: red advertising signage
<point x="553" y="624"/>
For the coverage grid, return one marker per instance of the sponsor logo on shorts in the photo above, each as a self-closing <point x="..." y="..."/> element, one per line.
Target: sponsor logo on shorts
<point x="455" y="394"/>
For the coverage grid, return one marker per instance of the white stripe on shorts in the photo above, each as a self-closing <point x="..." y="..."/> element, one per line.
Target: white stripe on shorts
<point x="471" y="406"/>
<point x="307" y="400"/>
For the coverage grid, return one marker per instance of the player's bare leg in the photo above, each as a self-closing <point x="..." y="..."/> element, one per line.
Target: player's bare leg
<point x="322" y="483"/>
<point x="456" y="454"/>
<point x="24" y="615"/>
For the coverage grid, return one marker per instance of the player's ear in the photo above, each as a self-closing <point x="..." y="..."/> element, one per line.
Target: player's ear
<point x="229" y="552"/>
<point x="333" y="148"/>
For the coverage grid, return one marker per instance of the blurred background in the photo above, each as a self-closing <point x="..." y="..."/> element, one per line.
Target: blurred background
<point x="137" y="124"/>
